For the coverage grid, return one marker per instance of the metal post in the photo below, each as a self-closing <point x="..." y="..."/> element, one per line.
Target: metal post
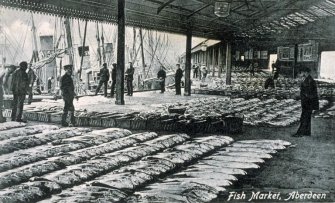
<point x="120" y="54"/>
<point x="187" y="91"/>
<point x="228" y="64"/>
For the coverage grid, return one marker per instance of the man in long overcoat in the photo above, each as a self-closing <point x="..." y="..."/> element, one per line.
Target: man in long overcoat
<point x="104" y="77"/>
<point x="19" y="88"/>
<point x="177" y="79"/>
<point x="68" y="94"/>
<point x="309" y="102"/>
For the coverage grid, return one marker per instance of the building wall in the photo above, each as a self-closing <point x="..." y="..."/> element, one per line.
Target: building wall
<point x="49" y="69"/>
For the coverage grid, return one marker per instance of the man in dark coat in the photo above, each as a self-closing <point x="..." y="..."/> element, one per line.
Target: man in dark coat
<point x="31" y="79"/>
<point x="4" y="75"/>
<point x="19" y="88"/>
<point x="269" y="83"/>
<point x="129" y="78"/>
<point x="104" y="77"/>
<point x="177" y="79"/>
<point x="309" y="102"/>
<point x="195" y="71"/>
<point x="113" y="80"/>
<point x="68" y="94"/>
<point x="161" y="75"/>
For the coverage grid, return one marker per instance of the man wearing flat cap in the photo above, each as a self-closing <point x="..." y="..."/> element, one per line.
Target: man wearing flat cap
<point x="104" y="77"/>
<point x="129" y="78"/>
<point x="68" y="94"/>
<point x="19" y="87"/>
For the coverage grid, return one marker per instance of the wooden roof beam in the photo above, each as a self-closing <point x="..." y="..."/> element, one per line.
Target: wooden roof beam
<point x="160" y="8"/>
<point x="198" y="10"/>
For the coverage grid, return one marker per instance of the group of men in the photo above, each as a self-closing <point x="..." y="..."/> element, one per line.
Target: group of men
<point x="105" y="76"/>
<point x="22" y="84"/>
<point x="199" y="71"/>
<point x="161" y="75"/>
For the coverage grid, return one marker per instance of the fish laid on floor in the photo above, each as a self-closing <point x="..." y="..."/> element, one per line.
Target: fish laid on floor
<point x="230" y="164"/>
<point x="270" y="146"/>
<point x="250" y="149"/>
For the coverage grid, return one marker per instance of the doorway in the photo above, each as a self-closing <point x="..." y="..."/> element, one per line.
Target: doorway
<point x="327" y="67"/>
<point x="273" y="59"/>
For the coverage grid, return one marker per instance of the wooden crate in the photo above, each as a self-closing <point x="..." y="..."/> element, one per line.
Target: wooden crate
<point x="7" y="113"/>
<point x="138" y="124"/>
<point x="56" y="117"/>
<point x="95" y="121"/>
<point x="123" y="122"/>
<point x="108" y="122"/>
<point x="30" y="115"/>
<point x="43" y="117"/>
<point x="154" y="124"/>
<point x="82" y="121"/>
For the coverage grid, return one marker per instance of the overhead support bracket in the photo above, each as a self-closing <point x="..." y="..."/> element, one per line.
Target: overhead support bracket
<point x="198" y="10"/>
<point x="164" y="5"/>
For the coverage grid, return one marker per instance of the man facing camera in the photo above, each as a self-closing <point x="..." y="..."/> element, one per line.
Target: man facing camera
<point x="19" y="87"/>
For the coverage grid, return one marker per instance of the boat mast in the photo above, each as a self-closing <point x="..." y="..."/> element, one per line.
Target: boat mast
<point x="69" y="39"/>
<point x="142" y="51"/>
<point x="103" y="44"/>
<point x="98" y="50"/>
<point x="35" y="57"/>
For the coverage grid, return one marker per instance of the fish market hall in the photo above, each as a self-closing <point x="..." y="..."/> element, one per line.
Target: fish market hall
<point x="167" y="101"/>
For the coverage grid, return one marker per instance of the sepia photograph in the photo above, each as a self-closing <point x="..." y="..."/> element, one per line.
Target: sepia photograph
<point x="167" y="101"/>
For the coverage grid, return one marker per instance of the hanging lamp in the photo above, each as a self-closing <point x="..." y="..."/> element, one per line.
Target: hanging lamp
<point x="222" y="8"/>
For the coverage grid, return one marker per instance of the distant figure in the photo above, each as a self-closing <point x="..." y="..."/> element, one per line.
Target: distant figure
<point x="309" y="102"/>
<point x="129" y="78"/>
<point x="68" y="94"/>
<point x="276" y="70"/>
<point x="104" y="77"/>
<point x="161" y="75"/>
<point x="253" y="67"/>
<point x="38" y="86"/>
<point x="31" y="78"/>
<point x="113" y="80"/>
<point x="50" y="79"/>
<point x="177" y="79"/>
<point x="4" y="74"/>
<point x="204" y="72"/>
<point x="269" y="83"/>
<point x="19" y="88"/>
<point x="195" y="71"/>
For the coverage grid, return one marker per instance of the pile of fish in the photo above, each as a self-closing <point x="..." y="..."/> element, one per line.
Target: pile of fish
<point x="203" y="181"/>
<point x="129" y="178"/>
<point x="10" y="125"/>
<point x="114" y="165"/>
<point x="255" y="112"/>
<point x="246" y="86"/>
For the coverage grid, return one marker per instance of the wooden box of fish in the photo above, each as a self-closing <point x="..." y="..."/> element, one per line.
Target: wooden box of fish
<point x="154" y="124"/>
<point x="108" y="121"/>
<point x="138" y="124"/>
<point x="169" y="125"/>
<point x="82" y="121"/>
<point x="30" y="115"/>
<point x="95" y="121"/>
<point x="7" y="113"/>
<point x="123" y="122"/>
<point x="43" y="117"/>
<point x="55" y="117"/>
